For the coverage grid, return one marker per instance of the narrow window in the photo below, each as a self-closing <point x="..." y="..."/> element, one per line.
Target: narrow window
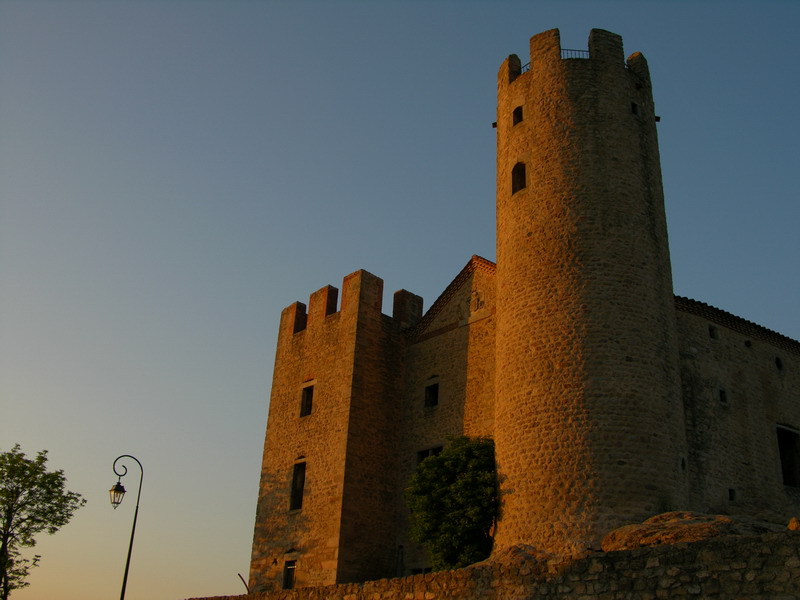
<point x="779" y="363"/>
<point x="713" y="332"/>
<point x="789" y="450"/>
<point x="731" y="494"/>
<point x="288" y="574"/>
<point x="516" y="116"/>
<point x="634" y="108"/>
<point x="298" y="483"/>
<point x="517" y="178"/>
<point x="723" y="396"/>
<point x="432" y="395"/>
<point x="306" y="399"/>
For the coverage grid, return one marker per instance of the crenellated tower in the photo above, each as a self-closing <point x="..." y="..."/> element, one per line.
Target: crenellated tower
<point x="588" y="414"/>
<point x="326" y="511"/>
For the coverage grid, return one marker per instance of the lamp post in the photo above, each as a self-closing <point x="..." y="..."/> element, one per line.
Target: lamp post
<point x="117" y="492"/>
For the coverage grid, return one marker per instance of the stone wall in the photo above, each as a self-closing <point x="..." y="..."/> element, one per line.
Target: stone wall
<point x="308" y="354"/>
<point x="588" y="420"/>
<point x="740" y="382"/>
<point x="368" y="525"/>
<point x="345" y="529"/>
<point x="743" y="568"/>
<point x="454" y="348"/>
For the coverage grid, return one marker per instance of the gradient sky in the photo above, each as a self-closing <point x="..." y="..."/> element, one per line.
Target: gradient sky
<point x="174" y="173"/>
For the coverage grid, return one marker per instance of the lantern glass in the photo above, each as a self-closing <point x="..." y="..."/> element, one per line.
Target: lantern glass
<point x="117" y="492"/>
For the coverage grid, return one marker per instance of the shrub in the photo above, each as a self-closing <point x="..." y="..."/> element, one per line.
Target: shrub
<point x="453" y="500"/>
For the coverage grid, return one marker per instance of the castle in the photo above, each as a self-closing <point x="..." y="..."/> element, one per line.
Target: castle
<point x="609" y="399"/>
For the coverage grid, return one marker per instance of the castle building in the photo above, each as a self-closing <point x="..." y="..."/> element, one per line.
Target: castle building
<point x="609" y="399"/>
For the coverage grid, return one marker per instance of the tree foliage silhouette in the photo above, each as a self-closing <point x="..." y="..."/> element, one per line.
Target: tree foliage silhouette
<point x="32" y="500"/>
<point x="453" y="499"/>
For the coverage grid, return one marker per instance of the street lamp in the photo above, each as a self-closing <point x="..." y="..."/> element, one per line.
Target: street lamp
<point x="117" y="492"/>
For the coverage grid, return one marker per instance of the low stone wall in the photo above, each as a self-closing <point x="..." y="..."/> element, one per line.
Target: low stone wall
<point x="741" y="568"/>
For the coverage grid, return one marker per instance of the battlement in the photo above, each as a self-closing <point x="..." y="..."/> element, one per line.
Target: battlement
<point x="407" y="308"/>
<point x="608" y="399"/>
<point x="545" y="49"/>
<point x="362" y="294"/>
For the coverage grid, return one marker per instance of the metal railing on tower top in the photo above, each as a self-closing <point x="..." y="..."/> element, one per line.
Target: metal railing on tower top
<point x="565" y="53"/>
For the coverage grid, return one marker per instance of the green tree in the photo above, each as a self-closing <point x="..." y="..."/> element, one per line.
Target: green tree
<point x="32" y="500"/>
<point x="453" y="499"/>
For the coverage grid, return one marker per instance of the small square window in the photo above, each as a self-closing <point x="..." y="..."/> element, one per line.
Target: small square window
<point x="432" y="394"/>
<point x="306" y="400"/>
<point x="289" y="568"/>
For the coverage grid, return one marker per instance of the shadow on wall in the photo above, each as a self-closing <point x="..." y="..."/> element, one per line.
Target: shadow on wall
<point x="271" y="570"/>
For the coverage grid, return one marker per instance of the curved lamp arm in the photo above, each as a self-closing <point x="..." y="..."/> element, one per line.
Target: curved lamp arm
<point x="117" y="492"/>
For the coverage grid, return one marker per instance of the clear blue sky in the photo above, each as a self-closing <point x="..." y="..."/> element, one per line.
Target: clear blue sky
<point x="172" y="174"/>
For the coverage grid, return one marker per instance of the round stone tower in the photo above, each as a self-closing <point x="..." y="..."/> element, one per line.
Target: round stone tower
<point x="589" y="420"/>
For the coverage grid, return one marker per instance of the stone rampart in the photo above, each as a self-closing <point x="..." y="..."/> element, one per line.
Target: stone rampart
<point x="742" y="568"/>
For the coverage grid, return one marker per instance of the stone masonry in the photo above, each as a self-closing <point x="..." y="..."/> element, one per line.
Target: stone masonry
<point x="609" y="399"/>
<point x="587" y="410"/>
<point x="765" y="567"/>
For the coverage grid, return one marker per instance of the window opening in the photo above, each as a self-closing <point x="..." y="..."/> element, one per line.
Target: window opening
<point x="789" y="451"/>
<point x="423" y="454"/>
<point x="517" y="178"/>
<point x="713" y="332"/>
<point x="779" y="363"/>
<point x="634" y="108"/>
<point x="306" y="400"/>
<point x="516" y="116"/>
<point x="289" y="568"/>
<point x="731" y="494"/>
<point x="723" y="396"/>
<point x="432" y="394"/>
<point x="298" y="483"/>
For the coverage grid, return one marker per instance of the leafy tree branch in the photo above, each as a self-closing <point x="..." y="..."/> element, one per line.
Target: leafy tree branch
<point x="32" y="501"/>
